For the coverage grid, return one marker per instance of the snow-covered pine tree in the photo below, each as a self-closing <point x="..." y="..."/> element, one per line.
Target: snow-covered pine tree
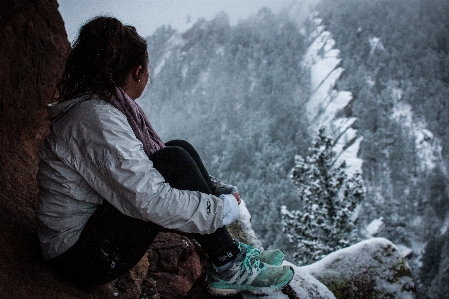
<point x="328" y="199"/>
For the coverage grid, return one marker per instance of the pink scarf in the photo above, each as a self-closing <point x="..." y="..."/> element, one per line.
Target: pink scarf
<point x="138" y="121"/>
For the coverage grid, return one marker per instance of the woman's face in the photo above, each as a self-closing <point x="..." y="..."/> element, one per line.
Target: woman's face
<point x="137" y="80"/>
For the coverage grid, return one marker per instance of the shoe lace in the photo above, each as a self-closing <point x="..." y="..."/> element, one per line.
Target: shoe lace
<point x="250" y="263"/>
<point x="254" y="251"/>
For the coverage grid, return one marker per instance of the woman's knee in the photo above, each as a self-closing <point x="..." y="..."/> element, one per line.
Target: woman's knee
<point x="170" y="154"/>
<point x="181" y="143"/>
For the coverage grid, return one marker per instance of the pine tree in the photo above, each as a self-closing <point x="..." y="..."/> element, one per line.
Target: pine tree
<point x="329" y="198"/>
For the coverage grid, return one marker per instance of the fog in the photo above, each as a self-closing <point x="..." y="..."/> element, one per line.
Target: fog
<point x="148" y="15"/>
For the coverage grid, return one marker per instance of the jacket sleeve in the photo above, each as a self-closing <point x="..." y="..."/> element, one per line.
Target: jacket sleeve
<point x="105" y="151"/>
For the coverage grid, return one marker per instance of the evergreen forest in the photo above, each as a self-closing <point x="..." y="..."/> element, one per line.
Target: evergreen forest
<point x="237" y="93"/>
<point x="409" y="65"/>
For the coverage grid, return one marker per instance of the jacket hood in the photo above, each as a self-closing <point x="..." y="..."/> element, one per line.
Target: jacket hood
<point x="58" y="109"/>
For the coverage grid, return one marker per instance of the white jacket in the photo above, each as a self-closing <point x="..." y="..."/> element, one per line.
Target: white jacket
<point x="91" y="155"/>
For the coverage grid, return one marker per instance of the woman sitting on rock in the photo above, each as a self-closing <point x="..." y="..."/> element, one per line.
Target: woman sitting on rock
<point x="108" y="184"/>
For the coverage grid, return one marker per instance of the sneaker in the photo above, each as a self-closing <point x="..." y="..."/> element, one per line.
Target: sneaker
<point x="273" y="257"/>
<point x="247" y="273"/>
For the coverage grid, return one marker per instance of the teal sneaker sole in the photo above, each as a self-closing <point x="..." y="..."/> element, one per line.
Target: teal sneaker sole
<point x="221" y="288"/>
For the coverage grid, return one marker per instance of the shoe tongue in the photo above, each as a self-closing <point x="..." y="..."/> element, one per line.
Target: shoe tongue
<point x="253" y="261"/>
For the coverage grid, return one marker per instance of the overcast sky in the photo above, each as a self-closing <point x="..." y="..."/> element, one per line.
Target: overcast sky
<point x="148" y="15"/>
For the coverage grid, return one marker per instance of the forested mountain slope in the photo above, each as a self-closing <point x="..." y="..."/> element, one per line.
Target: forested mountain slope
<point x="250" y="97"/>
<point x="396" y="60"/>
<point x="247" y="97"/>
<point x="237" y="94"/>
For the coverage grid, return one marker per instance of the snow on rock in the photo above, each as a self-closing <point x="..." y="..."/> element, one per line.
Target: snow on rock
<point x="347" y="143"/>
<point x="161" y="63"/>
<point x="326" y="106"/>
<point x="373" y="268"/>
<point x="340" y="127"/>
<point x="303" y="285"/>
<point x="306" y="286"/>
<point x="349" y="154"/>
<point x="242" y="230"/>
<point x="326" y="101"/>
<point x="404" y="250"/>
<point x="323" y="67"/>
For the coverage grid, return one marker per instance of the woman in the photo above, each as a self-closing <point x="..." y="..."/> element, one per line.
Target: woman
<point x="108" y="184"/>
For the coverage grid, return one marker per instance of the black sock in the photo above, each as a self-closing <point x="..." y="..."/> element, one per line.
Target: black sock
<point x="219" y="246"/>
<point x="223" y="257"/>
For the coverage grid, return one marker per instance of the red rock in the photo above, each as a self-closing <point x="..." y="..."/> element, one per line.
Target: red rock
<point x="174" y="265"/>
<point x="33" y="45"/>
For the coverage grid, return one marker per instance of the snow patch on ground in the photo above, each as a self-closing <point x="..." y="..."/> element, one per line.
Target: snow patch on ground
<point x="404" y="250"/>
<point x="161" y="63"/>
<point x="372" y="228"/>
<point x="428" y="146"/>
<point x="376" y="44"/>
<point x="245" y="223"/>
<point x="174" y="41"/>
<point x="445" y="225"/>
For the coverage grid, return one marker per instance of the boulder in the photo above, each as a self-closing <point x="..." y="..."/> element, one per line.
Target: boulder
<point x="373" y="268"/>
<point x="174" y="265"/>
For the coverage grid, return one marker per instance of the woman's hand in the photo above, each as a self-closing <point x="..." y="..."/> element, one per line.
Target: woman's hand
<point x="230" y="189"/>
<point x="231" y="211"/>
<point x="237" y="196"/>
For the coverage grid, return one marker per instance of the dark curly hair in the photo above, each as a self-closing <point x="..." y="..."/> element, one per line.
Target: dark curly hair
<point x="102" y="56"/>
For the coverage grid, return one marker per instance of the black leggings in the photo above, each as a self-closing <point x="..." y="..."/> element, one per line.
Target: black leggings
<point x="112" y="243"/>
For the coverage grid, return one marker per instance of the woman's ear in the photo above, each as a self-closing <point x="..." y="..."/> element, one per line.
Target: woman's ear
<point x="136" y="72"/>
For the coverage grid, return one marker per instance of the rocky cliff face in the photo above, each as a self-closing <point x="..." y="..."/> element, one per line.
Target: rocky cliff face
<point x="33" y="44"/>
<point x="327" y="106"/>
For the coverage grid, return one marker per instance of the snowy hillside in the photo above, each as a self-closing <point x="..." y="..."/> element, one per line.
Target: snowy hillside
<point x="237" y="94"/>
<point x="250" y="98"/>
<point x="396" y="70"/>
